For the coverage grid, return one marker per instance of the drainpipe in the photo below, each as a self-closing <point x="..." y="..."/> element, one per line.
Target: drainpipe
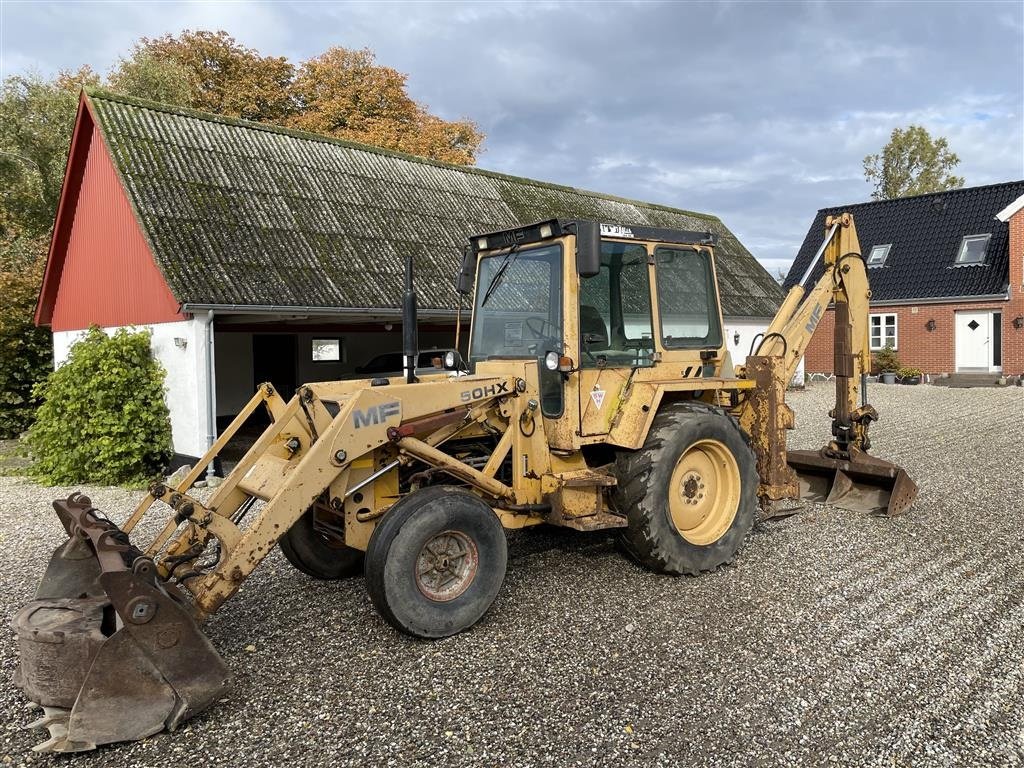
<point x="211" y="394"/>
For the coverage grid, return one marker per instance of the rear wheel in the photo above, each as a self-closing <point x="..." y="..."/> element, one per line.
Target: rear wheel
<point x="690" y="493"/>
<point x="436" y="562"/>
<point x="313" y="549"/>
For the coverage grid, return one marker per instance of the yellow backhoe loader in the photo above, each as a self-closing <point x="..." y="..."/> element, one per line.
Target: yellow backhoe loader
<point x="597" y="394"/>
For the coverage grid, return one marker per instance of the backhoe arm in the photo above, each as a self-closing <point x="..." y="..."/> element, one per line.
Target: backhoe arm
<point x="844" y="283"/>
<point x="841" y="473"/>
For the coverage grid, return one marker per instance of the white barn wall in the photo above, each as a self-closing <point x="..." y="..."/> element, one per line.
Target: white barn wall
<point x="185" y="383"/>
<point x="748" y="328"/>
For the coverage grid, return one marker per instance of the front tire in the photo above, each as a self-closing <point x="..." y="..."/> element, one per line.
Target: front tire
<point x="690" y="493"/>
<point x="436" y="562"/>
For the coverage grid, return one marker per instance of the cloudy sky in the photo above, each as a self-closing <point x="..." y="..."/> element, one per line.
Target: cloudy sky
<point x="760" y="113"/>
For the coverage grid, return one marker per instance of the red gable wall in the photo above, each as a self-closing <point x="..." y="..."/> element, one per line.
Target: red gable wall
<point x="100" y="270"/>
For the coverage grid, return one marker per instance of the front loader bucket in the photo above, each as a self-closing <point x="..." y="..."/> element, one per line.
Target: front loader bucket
<point x="107" y="651"/>
<point x="863" y="484"/>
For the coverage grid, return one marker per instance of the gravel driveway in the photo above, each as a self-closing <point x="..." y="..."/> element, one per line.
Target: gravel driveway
<point x="834" y="638"/>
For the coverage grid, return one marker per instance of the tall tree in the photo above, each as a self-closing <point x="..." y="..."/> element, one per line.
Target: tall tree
<point x="25" y="351"/>
<point x="36" y="118"/>
<point x="147" y="75"/>
<point x="346" y="94"/>
<point x="222" y="76"/>
<point x="912" y="163"/>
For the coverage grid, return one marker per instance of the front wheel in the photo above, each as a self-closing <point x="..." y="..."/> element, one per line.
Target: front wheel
<point x="690" y="493"/>
<point x="436" y="562"/>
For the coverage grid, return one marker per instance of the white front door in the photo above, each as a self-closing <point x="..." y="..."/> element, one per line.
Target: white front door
<point x="974" y="341"/>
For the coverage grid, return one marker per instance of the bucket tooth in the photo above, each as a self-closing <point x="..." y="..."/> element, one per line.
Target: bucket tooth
<point x="55" y="720"/>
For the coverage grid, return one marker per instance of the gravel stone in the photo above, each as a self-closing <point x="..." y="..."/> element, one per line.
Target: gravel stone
<point x="835" y="638"/>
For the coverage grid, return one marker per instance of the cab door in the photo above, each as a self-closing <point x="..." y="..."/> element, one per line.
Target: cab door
<point x="615" y="332"/>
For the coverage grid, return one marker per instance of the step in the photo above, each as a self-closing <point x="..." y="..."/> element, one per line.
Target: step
<point x="966" y="380"/>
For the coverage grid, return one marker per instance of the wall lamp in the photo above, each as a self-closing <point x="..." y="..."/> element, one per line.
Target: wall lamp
<point x="180" y="342"/>
<point x="1018" y="322"/>
<point x="736" y="338"/>
<point x="930" y="325"/>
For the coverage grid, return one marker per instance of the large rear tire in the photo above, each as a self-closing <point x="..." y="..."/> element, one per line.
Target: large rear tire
<point x="690" y="493"/>
<point x="436" y="562"/>
<point x="317" y="554"/>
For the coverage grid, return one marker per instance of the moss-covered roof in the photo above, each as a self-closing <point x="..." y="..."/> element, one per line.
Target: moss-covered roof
<point x="241" y="213"/>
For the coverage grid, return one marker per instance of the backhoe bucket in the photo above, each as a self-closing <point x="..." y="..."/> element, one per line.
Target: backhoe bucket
<point x="107" y="651"/>
<point x="864" y="484"/>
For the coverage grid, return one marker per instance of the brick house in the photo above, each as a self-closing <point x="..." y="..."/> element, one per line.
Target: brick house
<point x="947" y="279"/>
<point x="257" y="253"/>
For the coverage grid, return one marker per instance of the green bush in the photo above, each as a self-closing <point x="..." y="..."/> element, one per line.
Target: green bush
<point x="26" y="352"/>
<point x="887" y="360"/>
<point x="103" y="418"/>
<point x="907" y="372"/>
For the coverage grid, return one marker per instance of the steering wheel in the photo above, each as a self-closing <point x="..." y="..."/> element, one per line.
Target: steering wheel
<point x="543" y="329"/>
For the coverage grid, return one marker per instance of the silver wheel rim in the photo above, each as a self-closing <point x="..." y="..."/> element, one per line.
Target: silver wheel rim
<point x="447" y="564"/>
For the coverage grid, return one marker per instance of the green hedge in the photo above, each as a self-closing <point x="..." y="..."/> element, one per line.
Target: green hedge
<point x="103" y="419"/>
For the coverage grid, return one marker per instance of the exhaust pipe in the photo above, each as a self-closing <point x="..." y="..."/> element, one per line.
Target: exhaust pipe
<point x="410" y="331"/>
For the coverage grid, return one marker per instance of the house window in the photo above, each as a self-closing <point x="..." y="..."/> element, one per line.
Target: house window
<point x="878" y="254"/>
<point x="972" y="249"/>
<point x="327" y="350"/>
<point x="883" y="331"/>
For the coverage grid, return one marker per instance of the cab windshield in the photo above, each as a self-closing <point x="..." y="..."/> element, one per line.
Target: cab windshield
<point x="518" y="310"/>
<point x="518" y="313"/>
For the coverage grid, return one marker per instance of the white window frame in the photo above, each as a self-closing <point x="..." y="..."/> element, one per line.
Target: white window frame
<point x="872" y="262"/>
<point x="970" y="239"/>
<point x="882" y="325"/>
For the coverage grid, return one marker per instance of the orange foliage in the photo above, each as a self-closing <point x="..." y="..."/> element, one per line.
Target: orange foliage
<point x="226" y="77"/>
<point x="341" y="93"/>
<point x="346" y="94"/>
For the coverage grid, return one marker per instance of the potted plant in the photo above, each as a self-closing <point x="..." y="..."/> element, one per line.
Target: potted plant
<point x="908" y="375"/>
<point x="888" y="362"/>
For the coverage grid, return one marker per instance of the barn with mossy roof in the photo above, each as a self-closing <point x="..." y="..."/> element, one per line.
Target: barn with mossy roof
<point x="257" y="253"/>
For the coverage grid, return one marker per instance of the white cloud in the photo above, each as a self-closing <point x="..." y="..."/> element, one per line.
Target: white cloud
<point x="759" y="113"/>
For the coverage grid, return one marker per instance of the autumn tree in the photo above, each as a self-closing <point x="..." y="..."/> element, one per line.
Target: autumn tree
<point x="220" y="75"/>
<point x="912" y="163"/>
<point x="342" y="93"/>
<point x="346" y="94"/>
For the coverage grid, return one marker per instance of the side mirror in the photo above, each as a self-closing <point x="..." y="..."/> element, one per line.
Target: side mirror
<point x="588" y="248"/>
<point x="464" y="283"/>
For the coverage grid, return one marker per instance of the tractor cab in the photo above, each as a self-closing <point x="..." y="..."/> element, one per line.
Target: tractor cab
<point x="594" y="304"/>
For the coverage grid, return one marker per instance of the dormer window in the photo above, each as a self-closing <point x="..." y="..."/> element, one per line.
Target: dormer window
<point x="972" y="249"/>
<point x="878" y="255"/>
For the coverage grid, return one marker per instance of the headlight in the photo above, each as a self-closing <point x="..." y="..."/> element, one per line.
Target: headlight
<point x="551" y="360"/>
<point x="449" y="359"/>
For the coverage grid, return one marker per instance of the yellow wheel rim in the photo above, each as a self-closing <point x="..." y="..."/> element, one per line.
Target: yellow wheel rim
<point x="704" y="493"/>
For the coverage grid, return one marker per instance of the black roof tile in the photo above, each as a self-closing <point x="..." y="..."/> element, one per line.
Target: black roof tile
<point x="925" y="232"/>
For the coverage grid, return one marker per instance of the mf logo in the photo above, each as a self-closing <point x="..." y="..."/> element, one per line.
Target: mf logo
<point x="375" y="414"/>
<point x="477" y="393"/>
<point x="812" y="323"/>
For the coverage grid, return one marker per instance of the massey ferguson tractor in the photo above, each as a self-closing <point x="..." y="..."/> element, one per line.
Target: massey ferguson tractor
<point x="597" y="394"/>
